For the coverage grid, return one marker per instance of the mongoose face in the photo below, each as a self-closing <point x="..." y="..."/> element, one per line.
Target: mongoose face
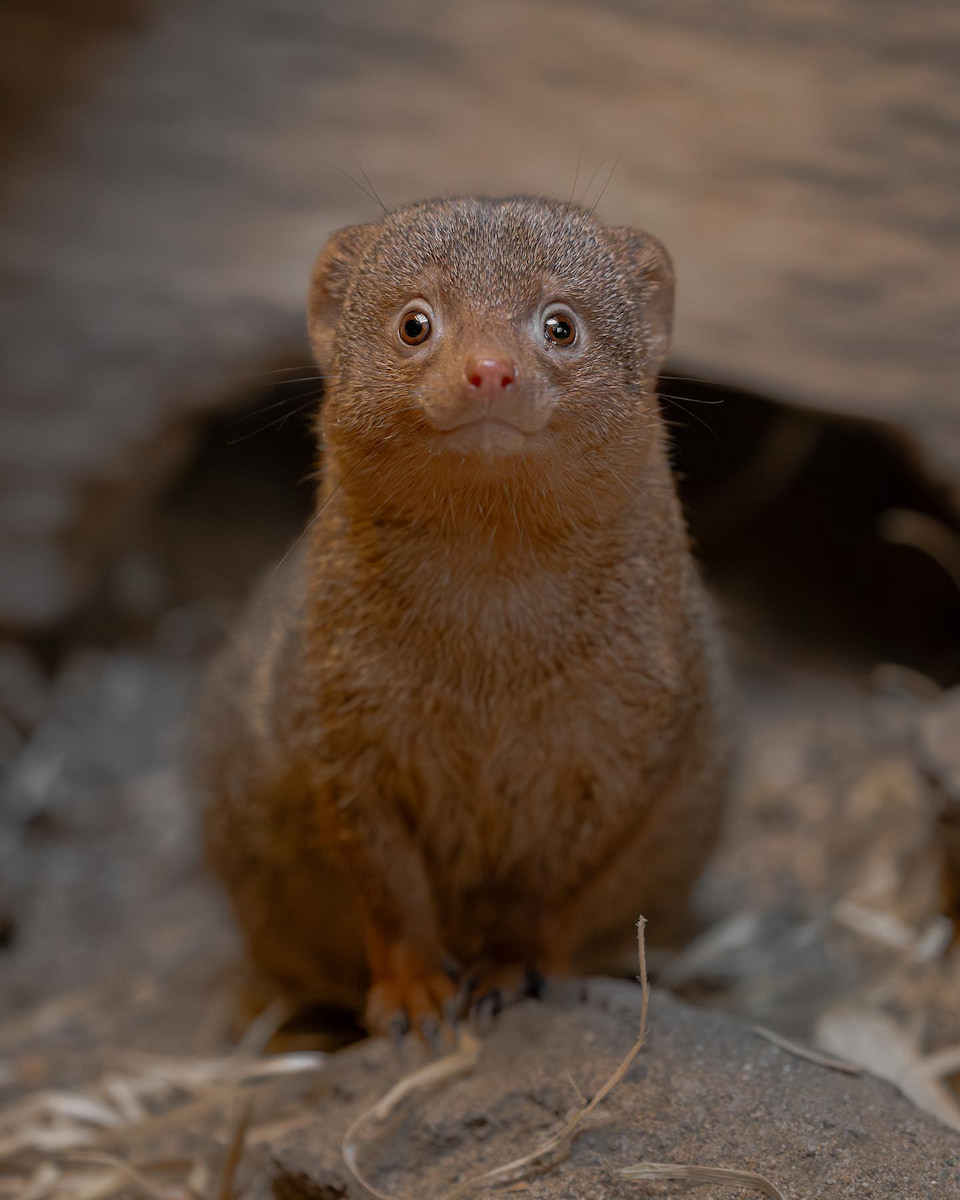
<point x="493" y="339"/>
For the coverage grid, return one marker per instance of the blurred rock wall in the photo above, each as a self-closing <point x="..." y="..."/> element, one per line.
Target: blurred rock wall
<point x="167" y="172"/>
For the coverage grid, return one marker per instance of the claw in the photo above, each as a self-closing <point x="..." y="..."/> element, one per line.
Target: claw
<point x="451" y="1014"/>
<point x="398" y="1028"/>
<point x="430" y="1030"/>
<point x="489" y="1005"/>
<point x="488" y="994"/>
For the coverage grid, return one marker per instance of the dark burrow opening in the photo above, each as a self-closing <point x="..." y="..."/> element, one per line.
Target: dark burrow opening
<point x="822" y="536"/>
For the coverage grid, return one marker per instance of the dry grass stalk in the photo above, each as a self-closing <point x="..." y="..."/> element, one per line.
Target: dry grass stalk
<point x="906" y="527"/>
<point x="112" y="1111"/>
<point x="556" y="1148"/>
<point x="196" y="1074"/>
<point x="942" y="1062"/>
<point x="41" y="1183"/>
<point x="122" y="1095"/>
<point x="50" y="1183"/>
<point x="264" y="1135"/>
<point x="104" y="1122"/>
<point x="262" y="1029"/>
<point x="73" y="1105"/>
<point x="463" y="1059"/>
<point x="119" y="1176"/>
<point x="891" y="1050"/>
<point x="808" y="1055"/>
<point x="581" y="1098"/>
<point x="49" y="1017"/>
<point x="198" y="1180"/>
<point x="687" y="1174"/>
<point x="183" y="1115"/>
<point x="101" y="1186"/>
<point x="234" y="1153"/>
<point x="48" y="1139"/>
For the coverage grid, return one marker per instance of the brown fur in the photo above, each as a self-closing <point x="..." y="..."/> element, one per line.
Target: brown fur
<point x="476" y="715"/>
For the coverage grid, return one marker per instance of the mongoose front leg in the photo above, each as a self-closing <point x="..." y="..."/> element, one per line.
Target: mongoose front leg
<point x="412" y="978"/>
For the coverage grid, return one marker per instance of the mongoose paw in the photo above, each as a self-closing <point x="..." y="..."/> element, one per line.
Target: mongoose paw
<point x="493" y="990"/>
<point x="412" y="994"/>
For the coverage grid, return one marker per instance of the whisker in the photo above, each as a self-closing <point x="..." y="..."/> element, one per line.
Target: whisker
<point x="306" y="529"/>
<point x="296" y="412"/>
<point x="280" y="371"/>
<point x="596" y="172"/>
<point x="690" y="399"/>
<point x="316" y="516"/>
<point x="616" y="163"/>
<point x="386" y="212"/>
<point x="277" y="425"/>
<point x="576" y="176"/>
<point x="354" y="181"/>
<point x="265" y="408"/>
<point x="277" y="403"/>
<point x="298" y="379"/>
<point x="718" y="383"/>
<point x="676" y="404"/>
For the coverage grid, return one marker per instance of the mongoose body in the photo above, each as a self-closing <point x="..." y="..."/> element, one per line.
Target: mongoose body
<point x="477" y="716"/>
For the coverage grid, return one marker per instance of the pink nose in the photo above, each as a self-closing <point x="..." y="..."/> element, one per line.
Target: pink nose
<point x="489" y="376"/>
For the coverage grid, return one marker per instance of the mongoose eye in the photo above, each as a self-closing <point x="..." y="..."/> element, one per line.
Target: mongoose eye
<point x="560" y="329"/>
<point x="414" y="328"/>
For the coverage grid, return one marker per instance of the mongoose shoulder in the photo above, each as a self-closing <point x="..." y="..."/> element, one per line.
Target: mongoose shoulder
<point x="477" y="717"/>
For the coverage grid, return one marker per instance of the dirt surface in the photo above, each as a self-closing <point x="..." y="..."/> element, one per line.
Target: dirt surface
<point x="705" y="1090"/>
<point x="800" y="163"/>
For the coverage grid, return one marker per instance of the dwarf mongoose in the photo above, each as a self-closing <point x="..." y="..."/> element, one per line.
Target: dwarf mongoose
<point x="475" y="720"/>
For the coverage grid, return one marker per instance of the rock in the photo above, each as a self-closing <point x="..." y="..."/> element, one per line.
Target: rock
<point x="940" y="755"/>
<point x="705" y="1090"/>
<point x="97" y="826"/>
<point x="940" y="744"/>
<point x="23" y="689"/>
<point x="156" y="245"/>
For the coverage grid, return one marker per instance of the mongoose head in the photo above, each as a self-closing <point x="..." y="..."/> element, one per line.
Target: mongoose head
<point x="470" y="343"/>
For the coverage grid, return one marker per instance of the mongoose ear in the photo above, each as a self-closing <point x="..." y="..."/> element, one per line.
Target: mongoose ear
<point x="650" y="270"/>
<point x="328" y="285"/>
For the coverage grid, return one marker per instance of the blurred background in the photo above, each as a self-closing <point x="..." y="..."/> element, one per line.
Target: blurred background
<point x="168" y="171"/>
